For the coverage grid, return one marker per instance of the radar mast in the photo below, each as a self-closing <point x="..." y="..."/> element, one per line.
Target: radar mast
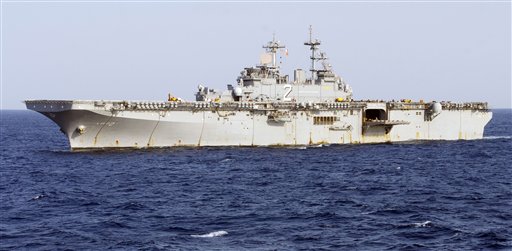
<point x="313" y="44"/>
<point x="272" y="48"/>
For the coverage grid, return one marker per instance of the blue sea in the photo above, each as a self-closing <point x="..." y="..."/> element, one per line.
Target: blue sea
<point x="442" y="195"/>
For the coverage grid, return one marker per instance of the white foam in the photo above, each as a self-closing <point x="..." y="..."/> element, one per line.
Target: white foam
<point x="210" y="235"/>
<point x="297" y="147"/>
<point x="38" y="197"/>
<point x="497" y="137"/>
<point x="423" y="224"/>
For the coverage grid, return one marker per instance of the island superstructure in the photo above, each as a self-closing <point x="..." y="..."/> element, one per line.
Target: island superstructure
<point x="264" y="108"/>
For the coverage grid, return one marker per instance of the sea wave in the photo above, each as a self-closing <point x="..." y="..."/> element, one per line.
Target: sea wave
<point x="210" y="235"/>
<point x="423" y="224"/>
<point x="226" y="160"/>
<point x="497" y="137"/>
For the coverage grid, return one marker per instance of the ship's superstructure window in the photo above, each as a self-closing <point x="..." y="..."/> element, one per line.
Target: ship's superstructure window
<point x="324" y="120"/>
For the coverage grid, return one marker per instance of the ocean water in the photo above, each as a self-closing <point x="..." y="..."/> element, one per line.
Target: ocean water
<point x="443" y="195"/>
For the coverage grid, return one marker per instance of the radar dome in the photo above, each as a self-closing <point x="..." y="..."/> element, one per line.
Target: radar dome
<point x="436" y="107"/>
<point x="237" y="91"/>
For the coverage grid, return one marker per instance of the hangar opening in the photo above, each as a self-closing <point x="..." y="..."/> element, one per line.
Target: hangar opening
<point x="375" y="114"/>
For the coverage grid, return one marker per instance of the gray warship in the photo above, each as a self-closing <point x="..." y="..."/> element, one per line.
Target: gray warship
<point x="264" y="108"/>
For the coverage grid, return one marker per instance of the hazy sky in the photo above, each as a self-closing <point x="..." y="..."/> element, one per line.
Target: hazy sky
<point x="140" y="50"/>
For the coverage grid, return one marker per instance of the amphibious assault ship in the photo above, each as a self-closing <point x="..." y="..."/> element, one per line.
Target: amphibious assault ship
<point x="264" y="108"/>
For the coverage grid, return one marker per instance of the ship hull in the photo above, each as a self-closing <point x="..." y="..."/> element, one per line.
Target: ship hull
<point x="111" y="124"/>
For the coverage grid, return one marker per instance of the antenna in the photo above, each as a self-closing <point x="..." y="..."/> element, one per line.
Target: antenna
<point x="310" y="32"/>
